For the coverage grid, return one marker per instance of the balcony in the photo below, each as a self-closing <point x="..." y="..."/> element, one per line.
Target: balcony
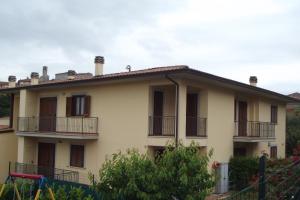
<point x="195" y="127"/>
<point x="162" y="126"/>
<point x="58" y="127"/>
<point x="252" y="131"/>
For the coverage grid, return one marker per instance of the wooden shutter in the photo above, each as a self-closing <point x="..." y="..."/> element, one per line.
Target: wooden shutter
<point x="69" y="107"/>
<point x="87" y="105"/>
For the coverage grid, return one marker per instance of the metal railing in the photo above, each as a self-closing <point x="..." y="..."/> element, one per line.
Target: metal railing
<point x="282" y="184"/>
<point x="195" y="126"/>
<point x="49" y="172"/>
<point x="75" y="125"/>
<point x="162" y="125"/>
<point x="254" y="129"/>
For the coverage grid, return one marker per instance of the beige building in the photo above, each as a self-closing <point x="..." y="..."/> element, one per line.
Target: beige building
<point x="76" y="123"/>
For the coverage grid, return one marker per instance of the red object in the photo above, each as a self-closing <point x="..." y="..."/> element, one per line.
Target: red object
<point x="26" y="176"/>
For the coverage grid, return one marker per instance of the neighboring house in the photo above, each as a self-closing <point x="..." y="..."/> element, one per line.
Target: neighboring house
<point x="3" y="84"/>
<point x="75" y="124"/>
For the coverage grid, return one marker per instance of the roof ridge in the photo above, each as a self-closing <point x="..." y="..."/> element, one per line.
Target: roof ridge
<point x="152" y="69"/>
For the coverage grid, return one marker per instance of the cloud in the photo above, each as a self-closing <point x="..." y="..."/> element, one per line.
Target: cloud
<point x="234" y="39"/>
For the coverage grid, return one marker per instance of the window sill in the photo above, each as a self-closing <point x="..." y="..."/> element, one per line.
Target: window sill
<point x="7" y="130"/>
<point x="79" y="168"/>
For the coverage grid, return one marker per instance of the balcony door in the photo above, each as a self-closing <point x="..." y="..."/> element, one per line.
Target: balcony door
<point x="47" y="120"/>
<point x="191" y="114"/>
<point x="46" y="159"/>
<point x="242" y="123"/>
<point x="158" y="112"/>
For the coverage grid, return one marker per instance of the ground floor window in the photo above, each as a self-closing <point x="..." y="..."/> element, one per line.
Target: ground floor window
<point x="273" y="152"/>
<point x="240" y="151"/>
<point x="77" y="156"/>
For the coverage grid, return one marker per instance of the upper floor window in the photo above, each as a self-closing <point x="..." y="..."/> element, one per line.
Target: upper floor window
<point x="274" y="113"/>
<point x="78" y="105"/>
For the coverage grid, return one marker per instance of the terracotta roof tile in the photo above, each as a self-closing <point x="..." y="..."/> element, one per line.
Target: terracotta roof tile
<point x="144" y="71"/>
<point x="295" y="95"/>
<point x="86" y="76"/>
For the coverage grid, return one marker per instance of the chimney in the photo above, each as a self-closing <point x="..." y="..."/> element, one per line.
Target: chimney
<point x="12" y="81"/>
<point x="34" y="78"/>
<point x="99" y="62"/>
<point x="45" y="76"/>
<point x="71" y="74"/>
<point x="253" y="80"/>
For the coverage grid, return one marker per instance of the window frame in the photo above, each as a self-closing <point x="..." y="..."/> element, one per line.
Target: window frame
<point x="273" y="149"/>
<point x="274" y="114"/>
<point x="81" y="105"/>
<point x="82" y="162"/>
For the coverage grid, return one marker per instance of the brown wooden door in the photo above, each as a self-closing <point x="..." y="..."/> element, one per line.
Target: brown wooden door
<point x="158" y="112"/>
<point x="46" y="159"/>
<point x="47" y="120"/>
<point x="191" y="114"/>
<point x="242" y="124"/>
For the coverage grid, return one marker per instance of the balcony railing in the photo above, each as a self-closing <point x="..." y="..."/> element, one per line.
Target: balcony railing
<point x="74" y="125"/>
<point x="195" y="127"/>
<point x="254" y="129"/>
<point x="49" y="172"/>
<point x="161" y="125"/>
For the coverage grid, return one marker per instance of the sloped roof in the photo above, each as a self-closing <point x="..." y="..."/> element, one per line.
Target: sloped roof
<point x="167" y="70"/>
<point x="295" y="95"/>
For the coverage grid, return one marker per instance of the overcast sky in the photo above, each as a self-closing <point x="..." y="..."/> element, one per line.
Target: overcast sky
<point x="232" y="38"/>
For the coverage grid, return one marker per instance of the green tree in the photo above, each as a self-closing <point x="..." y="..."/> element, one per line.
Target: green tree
<point x="293" y="134"/>
<point x="129" y="175"/>
<point x="182" y="173"/>
<point x="179" y="172"/>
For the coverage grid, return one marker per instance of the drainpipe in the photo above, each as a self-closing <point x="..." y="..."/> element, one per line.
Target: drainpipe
<point x="176" y="107"/>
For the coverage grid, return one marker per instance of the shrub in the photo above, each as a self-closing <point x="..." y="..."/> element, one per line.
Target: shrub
<point x="129" y="175"/>
<point x="183" y="173"/>
<point x="242" y="170"/>
<point x="27" y="190"/>
<point x="293" y="134"/>
<point x="178" y="173"/>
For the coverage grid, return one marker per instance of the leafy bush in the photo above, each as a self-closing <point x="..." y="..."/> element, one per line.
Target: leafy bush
<point x="242" y="171"/>
<point x="182" y="173"/>
<point x="27" y="191"/>
<point x="293" y="134"/>
<point x="178" y="173"/>
<point x="129" y="175"/>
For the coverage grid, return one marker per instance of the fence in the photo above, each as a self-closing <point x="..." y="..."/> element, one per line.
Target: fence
<point x="279" y="185"/>
<point x="50" y="173"/>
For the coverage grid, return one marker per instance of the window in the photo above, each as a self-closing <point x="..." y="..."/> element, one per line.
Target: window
<point x="77" y="156"/>
<point x="240" y="151"/>
<point x="78" y="105"/>
<point x="274" y="111"/>
<point x="273" y="152"/>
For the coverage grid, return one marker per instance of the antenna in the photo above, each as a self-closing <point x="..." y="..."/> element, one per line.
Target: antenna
<point x="128" y="67"/>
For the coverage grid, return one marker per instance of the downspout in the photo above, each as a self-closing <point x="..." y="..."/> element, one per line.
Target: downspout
<point x="176" y="107"/>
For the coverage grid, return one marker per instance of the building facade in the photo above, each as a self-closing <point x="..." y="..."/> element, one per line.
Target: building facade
<point x="75" y="124"/>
